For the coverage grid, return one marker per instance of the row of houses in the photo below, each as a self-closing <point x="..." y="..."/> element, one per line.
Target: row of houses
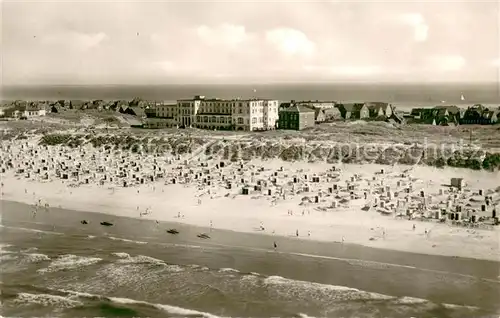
<point x="25" y="109"/>
<point x="453" y="115"/>
<point x="305" y="114"/>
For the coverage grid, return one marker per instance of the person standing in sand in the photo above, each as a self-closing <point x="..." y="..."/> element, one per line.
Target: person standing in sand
<point x="297" y="233"/>
<point x="275" y="245"/>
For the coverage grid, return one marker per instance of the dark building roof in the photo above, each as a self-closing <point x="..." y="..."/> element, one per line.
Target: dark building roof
<point x="298" y="109"/>
<point x="352" y="107"/>
<point x="452" y="109"/>
<point x="376" y="105"/>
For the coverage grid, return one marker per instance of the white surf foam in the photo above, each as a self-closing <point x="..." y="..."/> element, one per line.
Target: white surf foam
<point x="301" y="315"/>
<point x="228" y="270"/>
<point x="140" y="259"/>
<point x="410" y="300"/>
<point x="121" y="254"/>
<point x="32" y="230"/>
<point x="3" y="248"/>
<point x="69" y="261"/>
<point x="35" y="258"/>
<point x="126" y="240"/>
<point x="332" y="291"/>
<point x="30" y="250"/>
<point x="46" y="300"/>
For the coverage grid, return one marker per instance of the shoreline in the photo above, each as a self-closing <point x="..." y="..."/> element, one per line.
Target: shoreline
<point x="355" y="267"/>
<point x="132" y="230"/>
<point x="355" y="227"/>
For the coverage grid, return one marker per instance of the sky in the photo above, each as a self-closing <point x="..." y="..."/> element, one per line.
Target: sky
<point x="161" y="42"/>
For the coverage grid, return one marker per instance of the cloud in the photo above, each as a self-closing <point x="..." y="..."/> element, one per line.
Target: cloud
<point x="226" y="34"/>
<point x="75" y="39"/>
<point x="446" y="63"/>
<point x="291" y="41"/>
<point x="417" y="21"/>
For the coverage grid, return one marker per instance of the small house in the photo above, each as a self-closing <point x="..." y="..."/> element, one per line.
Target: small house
<point x="354" y="111"/>
<point x="379" y="109"/>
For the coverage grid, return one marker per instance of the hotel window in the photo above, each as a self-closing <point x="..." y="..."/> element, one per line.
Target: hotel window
<point x="214" y="119"/>
<point x="254" y="120"/>
<point x="240" y="121"/>
<point x="205" y="119"/>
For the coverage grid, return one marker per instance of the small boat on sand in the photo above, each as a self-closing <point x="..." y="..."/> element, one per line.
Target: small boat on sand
<point x="172" y="231"/>
<point x="203" y="236"/>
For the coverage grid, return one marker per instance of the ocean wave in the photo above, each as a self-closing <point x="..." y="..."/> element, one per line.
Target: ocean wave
<point x="290" y="286"/>
<point x="301" y="315"/>
<point x="90" y="237"/>
<point x="121" y="255"/>
<point x="410" y="300"/>
<point x="36" y="257"/>
<point x="3" y="249"/>
<point x="7" y="257"/>
<point x="228" y="270"/>
<point x="171" y="310"/>
<point x="125" y="258"/>
<point x="47" y="300"/>
<point x="126" y="240"/>
<point x="32" y="230"/>
<point x="198" y="267"/>
<point x="334" y="292"/>
<point x="29" y="250"/>
<point x="140" y="259"/>
<point x="69" y="261"/>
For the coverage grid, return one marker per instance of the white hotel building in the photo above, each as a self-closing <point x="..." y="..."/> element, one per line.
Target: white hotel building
<point x="227" y="114"/>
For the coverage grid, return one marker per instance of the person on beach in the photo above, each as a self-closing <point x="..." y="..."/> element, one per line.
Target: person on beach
<point x="211" y="225"/>
<point x="343" y="239"/>
<point x="275" y="246"/>
<point x="297" y="233"/>
<point x="414" y="227"/>
<point x="309" y="233"/>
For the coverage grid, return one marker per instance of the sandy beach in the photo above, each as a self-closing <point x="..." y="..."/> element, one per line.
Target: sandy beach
<point x="389" y="207"/>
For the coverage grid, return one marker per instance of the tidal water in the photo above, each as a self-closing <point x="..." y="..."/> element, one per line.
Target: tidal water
<point x="54" y="266"/>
